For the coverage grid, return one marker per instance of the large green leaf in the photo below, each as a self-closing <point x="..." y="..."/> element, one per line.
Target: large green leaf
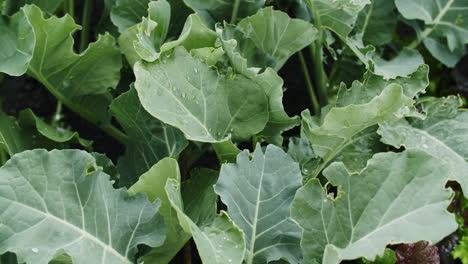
<point x="149" y="140"/>
<point x="270" y="37"/>
<point x="80" y="81"/>
<point x="338" y="16"/>
<point x="397" y="198"/>
<point x="152" y="184"/>
<point x="17" y="44"/>
<point x="340" y="125"/>
<point x="126" y="13"/>
<point x="443" y="134"/>
<point x="61" y="200"/>
<point x="218" y="239"/>
<point x="377" y="22"/>
<point x="212" y="11"/>
<point x="258" y="194"/>
<point x="446" y="27"/>
<point x="205" y="105"/>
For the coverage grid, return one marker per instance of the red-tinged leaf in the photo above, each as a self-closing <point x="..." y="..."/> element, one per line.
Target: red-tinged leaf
<point x="417" y="253"/>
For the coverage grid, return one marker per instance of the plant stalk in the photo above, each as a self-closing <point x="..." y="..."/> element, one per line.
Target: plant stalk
<point x="70" y="7"/>
<point x="235" y="10"/>
<point x="86" y="24"/>
<point x="3" y="157"/>
<point x="310" y="87"/>
<point x="316" y="50"/>
<point x="58" y="113"/>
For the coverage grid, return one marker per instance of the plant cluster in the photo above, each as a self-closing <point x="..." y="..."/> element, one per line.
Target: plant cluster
<point x="230" y="132"/>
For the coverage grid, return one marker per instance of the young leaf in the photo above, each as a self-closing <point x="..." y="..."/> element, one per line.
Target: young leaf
<point x="126" y="13"/>
<point x="446" y="27"/>
<point x="206" y="106"/>
<point x="17" y="42"/>
<point x="79" y="81"/>
<point x="13" y="139"/>
<point x="61" y="200"/>
<point x="398" y="197"/>
<point x="270" y="34"/>
<point x="387" y="258"/>
<point x="341" y="124"/>
<point x="152" y="185"/>
<point x="218" y="239"/>
<point x="404" y="64"/>
<point x="443" y="134"/>
<point x="152" y="31"/>
<point x="258" y="194"/>
<point x="149" y="140"/>
<point x="461" y="250"/>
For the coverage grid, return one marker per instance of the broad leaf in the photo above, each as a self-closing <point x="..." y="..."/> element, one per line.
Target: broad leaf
<point x="377" y="22"/>
<point x="340" y="125"/>
<point x="338" y="16"/>
<point x="398" y="197"/>
<point x="80" y="81"/>
<point x="226" y="151"/>
<point x="126" y="13"/>
<point x="13" y="6"/>
<point x="12" y="138"/>
<point x="212" y="11"/>
<point x="443" y="134"/>
<point x="258" y="193"/>
<point x="218" y="239"/>
<point x="270" y="37"/>
<point x="152" y="185"/>
<point x="446" y="27"/>
<point x="404" y="64"/>
<point x="61" y="200"/>
<point x="17" y="42"/>
<point x="205" y="105"/>
<point x="149" y="140"/>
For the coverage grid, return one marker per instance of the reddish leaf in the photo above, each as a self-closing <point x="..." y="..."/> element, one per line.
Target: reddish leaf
<point x="417" y="253"/>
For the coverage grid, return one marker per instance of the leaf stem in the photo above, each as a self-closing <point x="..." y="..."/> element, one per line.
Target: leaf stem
<point x="310" y="87"/>
<point x="58" y="113"/>
<point x="70" y="8"/>
<point x="316" y="51"/>
<point x="235" y="10"/>
<point x="87" y="10"/>
<point x="3" y="157"/>
<point x="115" y="133"/>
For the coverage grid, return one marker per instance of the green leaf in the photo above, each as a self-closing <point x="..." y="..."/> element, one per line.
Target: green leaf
<point x="404" y="64"/>
<point x="13" y="6"/>
<point x="338" y="16"/>
<point x="80" y="81"/>
<point x="377" y="22"/>
<point x="149" y="140"/>
<point x="226" y="151"/>
<point x="397" y="198"/>
<point x="205" y="105"/>
<point x="29" y="132"/>
<point x="213" y="11"/>
<point x="61" y="200"/>
<point x="443" y="134"/>
<point x="461" y="250"/>
<point x="258" y="193"/>
<point x="218" y="239"/>
<point x="126" y="13"/>
<point x="17" y="42"/>
<point x="372" y="85"/>
<point x="387" y="258"/>
<point x="270" y="34"/>
<point x="28" y="120"/>
<point x="446" y="27"/>
<point x="340" y="125"/>
<point x="152" y="31"/>
<point x="152" y="185"/>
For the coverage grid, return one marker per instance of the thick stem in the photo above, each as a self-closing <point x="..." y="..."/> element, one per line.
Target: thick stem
<point x="310" y="87"/>
<point x="235" y="10"/>
<point x="316" y="51"/>
<point x="188" y="253"/>
<point x="87" y="10"/>
<point x="70" y="7"/>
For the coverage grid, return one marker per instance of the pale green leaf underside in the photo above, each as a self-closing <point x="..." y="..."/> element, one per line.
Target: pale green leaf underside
<point x="397" y="198"/>
<point x="152" y="185"/>
<point x="50" y="201"/>
<point x="219" y="241"/>
<point x="444" y="134"/>
<point x="258" y="194"/>
<point x="209" y="107"/>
